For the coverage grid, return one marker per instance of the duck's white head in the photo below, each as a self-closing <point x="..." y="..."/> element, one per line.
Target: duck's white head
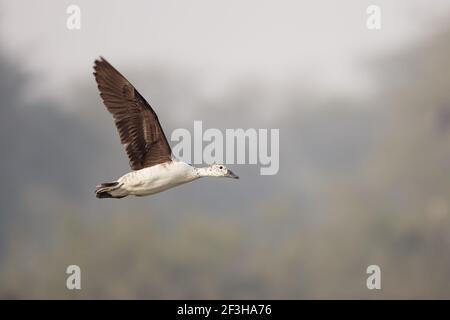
<point x="217" y="170"/>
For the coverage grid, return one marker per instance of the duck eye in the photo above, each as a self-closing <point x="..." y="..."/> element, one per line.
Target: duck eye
<point x="220" y="167"/>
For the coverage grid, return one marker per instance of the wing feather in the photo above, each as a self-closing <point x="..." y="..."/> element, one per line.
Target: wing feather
<point x="137" y="123"/>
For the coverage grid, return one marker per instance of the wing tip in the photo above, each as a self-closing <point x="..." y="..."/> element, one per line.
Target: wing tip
<point x="99" y="62"/>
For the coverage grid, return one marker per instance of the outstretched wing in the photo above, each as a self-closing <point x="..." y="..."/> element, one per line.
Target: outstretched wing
<point x="138" y="125"/>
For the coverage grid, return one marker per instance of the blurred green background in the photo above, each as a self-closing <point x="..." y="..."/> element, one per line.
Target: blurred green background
<point x="364" y="119"/>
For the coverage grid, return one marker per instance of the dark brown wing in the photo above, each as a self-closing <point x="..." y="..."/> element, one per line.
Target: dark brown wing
<point x="138" y="125"/>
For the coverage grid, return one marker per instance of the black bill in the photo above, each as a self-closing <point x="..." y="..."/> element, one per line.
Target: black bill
<point x="230" y="174"/>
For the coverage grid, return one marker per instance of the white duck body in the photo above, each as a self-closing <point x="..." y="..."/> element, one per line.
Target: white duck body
<point x="155" y="179"/>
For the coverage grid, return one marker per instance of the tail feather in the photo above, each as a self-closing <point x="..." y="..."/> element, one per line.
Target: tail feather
<point x="104" y="190"/>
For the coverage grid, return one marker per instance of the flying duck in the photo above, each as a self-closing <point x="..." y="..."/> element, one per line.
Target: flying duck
<point x="154" y="169"/>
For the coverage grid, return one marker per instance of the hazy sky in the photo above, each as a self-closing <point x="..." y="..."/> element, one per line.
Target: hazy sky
<point x="319" y="43"/>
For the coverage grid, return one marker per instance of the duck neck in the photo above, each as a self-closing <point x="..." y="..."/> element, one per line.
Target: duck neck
<point x="203" y="172"/>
